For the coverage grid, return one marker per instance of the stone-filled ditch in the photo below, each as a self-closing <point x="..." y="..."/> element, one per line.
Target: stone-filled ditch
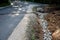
<point x="40" y="29"/>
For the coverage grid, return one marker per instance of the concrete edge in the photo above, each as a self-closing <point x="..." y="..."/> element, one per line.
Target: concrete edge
<point x="20" y="32"/>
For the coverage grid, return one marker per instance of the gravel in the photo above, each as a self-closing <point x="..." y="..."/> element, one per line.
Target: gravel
<point x="44" y="24"/>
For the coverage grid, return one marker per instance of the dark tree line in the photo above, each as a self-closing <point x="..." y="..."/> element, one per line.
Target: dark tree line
<point x="39" y="1"/>
<point x="4" y="2"/>
<point x="50" y="2"/>
<point x="46" y="1"/>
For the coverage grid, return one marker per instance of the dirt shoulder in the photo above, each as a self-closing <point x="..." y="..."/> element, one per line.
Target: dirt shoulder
<point x="53" y="19"/>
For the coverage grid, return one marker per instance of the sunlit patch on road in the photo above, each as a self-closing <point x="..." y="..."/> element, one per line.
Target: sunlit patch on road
<point x="11" y="3"/>
<point x="19" y="9"/>
<point x="14" y="15"/>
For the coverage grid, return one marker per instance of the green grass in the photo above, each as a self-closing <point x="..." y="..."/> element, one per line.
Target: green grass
<point x="33" y="35"/>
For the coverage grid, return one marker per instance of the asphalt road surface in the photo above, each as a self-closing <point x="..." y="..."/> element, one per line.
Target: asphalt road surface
<point x="9" y="18"/>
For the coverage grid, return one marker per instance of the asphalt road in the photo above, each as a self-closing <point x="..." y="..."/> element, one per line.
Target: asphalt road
<point x="8" y="23"/>
<point x="9" y="18"/>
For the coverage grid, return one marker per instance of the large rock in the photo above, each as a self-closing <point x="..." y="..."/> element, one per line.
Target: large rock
<point x="56" y="35"/>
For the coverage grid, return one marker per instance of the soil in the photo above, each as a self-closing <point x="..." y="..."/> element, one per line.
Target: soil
<point x="53" y="19"/>
<point x="38" y="31"/>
